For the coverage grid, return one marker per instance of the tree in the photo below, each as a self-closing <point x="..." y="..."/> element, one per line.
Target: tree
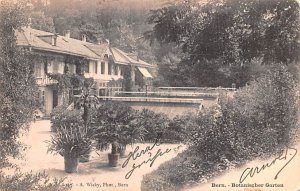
<point x="219" y="36"/>
<point x="41" y="22"/>
<point x="17" y="81"/>
<point x="116" y="125"/>
<point x="17" y="100"/>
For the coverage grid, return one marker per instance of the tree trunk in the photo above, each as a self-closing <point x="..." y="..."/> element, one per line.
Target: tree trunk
<point x="114" y="148"/>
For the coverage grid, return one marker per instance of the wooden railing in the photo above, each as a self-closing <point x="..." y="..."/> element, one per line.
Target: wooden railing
<point x="151" y="99"/>
<point x="169" y="94"/>
<point x="196" y="88"/>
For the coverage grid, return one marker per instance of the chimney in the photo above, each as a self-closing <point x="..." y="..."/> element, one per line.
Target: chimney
<point x="83" y="37"/>
<point x="53" y="40"/>
<point x="99" y="40"/>
<point x="67" y="33"/>
<point x="29" y="22"/>
<point x="107" y="41"/>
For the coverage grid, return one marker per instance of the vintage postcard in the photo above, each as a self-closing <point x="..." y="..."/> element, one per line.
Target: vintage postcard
<point x="149" y="95"/>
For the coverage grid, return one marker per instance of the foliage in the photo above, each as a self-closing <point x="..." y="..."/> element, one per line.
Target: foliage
<point x="220" y="39"/>
<point x="155" y="124"/>
<point x="263" y="115"/>
<point x="179" y="128"/>
<point x="186" y="169"/>
<point x="32" y="182"/>
<point x="128" y="81"/>
<point x="65" y="116"/>
<point x="41" y="22"/>
<point x="116" y="124"/>
<point x="210" y="137"/>
<point x="260" y="120"/>
<point x="17" y="100"/>
<point x="17" y="84"/>
<point x="170" y="130"/>
<point x="72" y="140"/>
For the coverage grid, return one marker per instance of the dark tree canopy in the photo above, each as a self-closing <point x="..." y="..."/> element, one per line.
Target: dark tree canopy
<point x="221" y="37"/>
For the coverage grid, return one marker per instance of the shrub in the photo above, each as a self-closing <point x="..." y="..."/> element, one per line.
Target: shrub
<point x="179" y="128"/>
<point x="262" y="115"/>
<point x="258" y="121"/>
<point x="116" y="124"/>
<point x="72" y="141"/>
<point x="170" y="130"/>
<point x="187" y="168"/>
<point x="64" y="116"/>
<point x="29" y="181"/>
<point x="155" y="124"/>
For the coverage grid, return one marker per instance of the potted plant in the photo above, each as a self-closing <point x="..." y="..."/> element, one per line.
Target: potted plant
<point x="65" y="115"/>
<point x="106" y="136"/>
<point x="115" y="127"/>
<point x="131" y="133"/>
<point x="71" y="142"/>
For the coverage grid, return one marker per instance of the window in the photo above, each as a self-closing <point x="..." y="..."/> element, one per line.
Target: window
<point x="96" y="67"/>
<point x="38" y="70"/>
<point x="121" y="68"/>
<point x="72" y="68"/>
<point x="55" y="67"/>
<point x="101" y="92"/>
<point x="116" y="71"/>
<point x="102" y="67"/>
<point x="87" y="67"/>
<point x="43" y="98"/>
<point x="109" y="68"/>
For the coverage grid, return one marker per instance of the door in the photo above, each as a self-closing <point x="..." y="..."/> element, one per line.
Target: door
<point x="55" y="98"/>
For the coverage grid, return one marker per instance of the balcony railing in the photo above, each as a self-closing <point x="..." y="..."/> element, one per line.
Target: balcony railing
<point x="45" y="80"/>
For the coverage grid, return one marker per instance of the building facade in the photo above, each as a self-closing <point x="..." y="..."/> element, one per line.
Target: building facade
<point x="110" y="67"/>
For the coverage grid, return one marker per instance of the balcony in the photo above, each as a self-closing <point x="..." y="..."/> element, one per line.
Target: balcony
<point x="45" y="81"/>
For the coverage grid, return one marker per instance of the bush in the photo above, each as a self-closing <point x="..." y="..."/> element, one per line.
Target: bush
<point x="116" y="124"/>
<point x="169" y="130"/>
<point x="259" y="121"/>
<point x="179" y="128"/>
<point x="187" y="168"/>
<point x="155" y="124"/>
<point x="262" y="115"/>
<point x="29" y="182"/>
<point x="63" y="116"/>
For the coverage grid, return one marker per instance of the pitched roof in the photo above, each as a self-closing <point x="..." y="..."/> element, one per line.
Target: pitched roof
<point x="99" y="49"/>
<point x="121" y="57"/>
<point x="41" y="40"/>
<point x="37" y="40"/>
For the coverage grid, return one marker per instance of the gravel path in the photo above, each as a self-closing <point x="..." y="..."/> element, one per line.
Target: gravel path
<point x="93" y="175"/>
<point x="97" y="176"/>
<point x="289" y="176"/>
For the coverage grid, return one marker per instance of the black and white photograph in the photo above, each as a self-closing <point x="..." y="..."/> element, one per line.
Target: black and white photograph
<point x="149" y="95"/>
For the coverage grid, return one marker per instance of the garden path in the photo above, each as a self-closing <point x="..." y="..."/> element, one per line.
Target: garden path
<point x="289" y="176"/>
<point x="91" y="174"/>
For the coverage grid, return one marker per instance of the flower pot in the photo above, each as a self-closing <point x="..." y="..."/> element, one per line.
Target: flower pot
<point x="113" y="159"/>
<point x="71" y="164"/>
<point x="84" y="158"/>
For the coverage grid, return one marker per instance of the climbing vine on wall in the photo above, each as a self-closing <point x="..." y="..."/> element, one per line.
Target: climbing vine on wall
<point x="128" y="84"/>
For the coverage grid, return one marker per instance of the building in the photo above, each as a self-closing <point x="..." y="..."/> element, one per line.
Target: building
<point x="110" y="67"/>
